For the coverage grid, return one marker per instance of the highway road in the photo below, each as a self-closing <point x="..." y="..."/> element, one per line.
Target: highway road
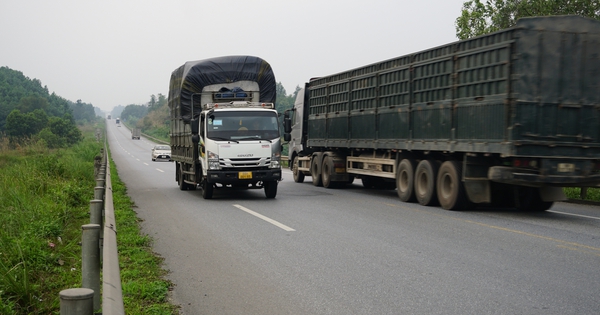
<point x="357" y="251"/>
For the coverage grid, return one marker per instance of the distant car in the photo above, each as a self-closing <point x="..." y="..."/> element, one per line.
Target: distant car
<point x="161" y="152"/>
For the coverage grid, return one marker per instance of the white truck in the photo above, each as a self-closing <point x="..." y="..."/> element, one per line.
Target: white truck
<point x="224" y="126"/>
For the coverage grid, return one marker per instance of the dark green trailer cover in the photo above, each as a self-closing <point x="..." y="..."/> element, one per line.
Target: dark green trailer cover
<point x="528" y="90"/>
<point x="193" y="76"/>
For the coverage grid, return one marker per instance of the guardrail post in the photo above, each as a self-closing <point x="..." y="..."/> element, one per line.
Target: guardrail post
<point x="100" y="179"/>
<point x="96" y="211"/>
<point x="90" y="260"/>
<point x="583" y="194"/>
<point x="78" y="301"/>
<point x="99" y="193"/>
<point x="97" y="217"/>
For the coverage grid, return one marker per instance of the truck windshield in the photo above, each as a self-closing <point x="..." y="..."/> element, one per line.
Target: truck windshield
<point x="242" y="125"/>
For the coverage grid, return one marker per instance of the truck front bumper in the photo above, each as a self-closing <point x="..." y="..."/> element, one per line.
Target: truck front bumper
<point x="246" y="176"/>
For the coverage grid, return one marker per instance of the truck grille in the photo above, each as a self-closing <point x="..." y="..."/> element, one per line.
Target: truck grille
<point x="245" y="162"/>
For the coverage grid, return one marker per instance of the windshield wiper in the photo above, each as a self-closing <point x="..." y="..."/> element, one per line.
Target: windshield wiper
<point x="223" y="139"/>
<point x="250" y="138"/>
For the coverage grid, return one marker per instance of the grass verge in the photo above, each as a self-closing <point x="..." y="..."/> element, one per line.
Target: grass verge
<point x="44" y="201"/>
<point x="145" y="291"/>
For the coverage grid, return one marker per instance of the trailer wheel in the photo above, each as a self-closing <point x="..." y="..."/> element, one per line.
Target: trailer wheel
<point x="298" y="175"/>
<point x="450" y="190"/>
<point x="326" y="172"/>
<point x="270" y="189"/>
<point x="180" y="180"/>
<point x="315" y="171"/>
<point x="207" y="189"/>
<point x="405" y="180"/>
<point x="529" y="199"/>
<point x="424" y="183"/>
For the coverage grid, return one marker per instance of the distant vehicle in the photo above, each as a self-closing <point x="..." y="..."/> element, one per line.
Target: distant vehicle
<point x="108" y="117"/>
<point x="117" y="120"/>
<point x="135" y="133"/>
<point x="161" y="152"/>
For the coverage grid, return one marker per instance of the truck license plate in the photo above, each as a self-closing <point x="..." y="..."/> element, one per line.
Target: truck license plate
<point x="566" y="167"/>
<point x="245" y="175"/>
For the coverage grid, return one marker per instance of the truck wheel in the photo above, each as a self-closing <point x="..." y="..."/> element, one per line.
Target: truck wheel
<point x="180" y="182"/>
<point x="298" y="175"/>
<point x="207" y="189"/>
<point x="450" y="190"/>
<point x="529" y="199"/>
<point x="326" y="172"/>
<point x="405" y="180"/>
<point x="315" y="172"/>
<point x="424" y="183"/>
<point x="270" y="189"/>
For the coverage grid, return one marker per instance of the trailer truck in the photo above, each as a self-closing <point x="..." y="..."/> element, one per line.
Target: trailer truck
<point x="503" y="119"/>
<point x="136" y="133"/>
<point x="224" y="126"/>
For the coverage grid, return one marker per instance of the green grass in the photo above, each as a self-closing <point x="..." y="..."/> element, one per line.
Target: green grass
<point x="44" y="201"/>
<point x="593" y="194"/>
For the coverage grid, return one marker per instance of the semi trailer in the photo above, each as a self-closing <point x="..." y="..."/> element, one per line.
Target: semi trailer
<point x="224" y="126"/>
<point x="503" y="119"/>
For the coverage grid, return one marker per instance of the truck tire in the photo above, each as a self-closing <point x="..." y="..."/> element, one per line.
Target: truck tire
<point x="270" y="189"/>
<point x="424" y="183"/>
<point x="327" y="170"/>
<point x="207" y="189"/>
<point x="450" y="190"/>
<point x="181" y="180"/>
<point x="405" y="180"/>
<point x="298" y="175"/>
<point x="315" y="171"/>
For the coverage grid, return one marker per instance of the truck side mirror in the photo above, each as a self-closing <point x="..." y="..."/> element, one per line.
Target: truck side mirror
<point x="287" y="137"/>
<point x="194" y="126"/>
<point x="287" y="123"/>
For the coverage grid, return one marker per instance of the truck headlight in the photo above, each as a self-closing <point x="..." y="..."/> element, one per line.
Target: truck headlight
<point x="213" y="161"/>
<point x="275" y="160"/>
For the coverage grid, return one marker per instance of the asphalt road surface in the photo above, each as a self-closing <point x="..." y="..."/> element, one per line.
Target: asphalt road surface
<point x="313" y="250"/>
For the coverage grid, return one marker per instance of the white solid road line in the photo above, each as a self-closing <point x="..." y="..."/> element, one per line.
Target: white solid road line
<point x="575" y="215"/>
<point x="260" y="216"/>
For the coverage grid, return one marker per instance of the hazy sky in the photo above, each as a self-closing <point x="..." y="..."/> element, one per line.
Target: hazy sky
<point x="119" y="52"/>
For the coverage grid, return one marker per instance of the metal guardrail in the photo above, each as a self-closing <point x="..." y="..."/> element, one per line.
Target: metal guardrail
<point x="98" y="250"/>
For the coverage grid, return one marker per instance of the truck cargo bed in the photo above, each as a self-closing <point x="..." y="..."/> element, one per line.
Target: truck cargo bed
<point x="531" y="90"/>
